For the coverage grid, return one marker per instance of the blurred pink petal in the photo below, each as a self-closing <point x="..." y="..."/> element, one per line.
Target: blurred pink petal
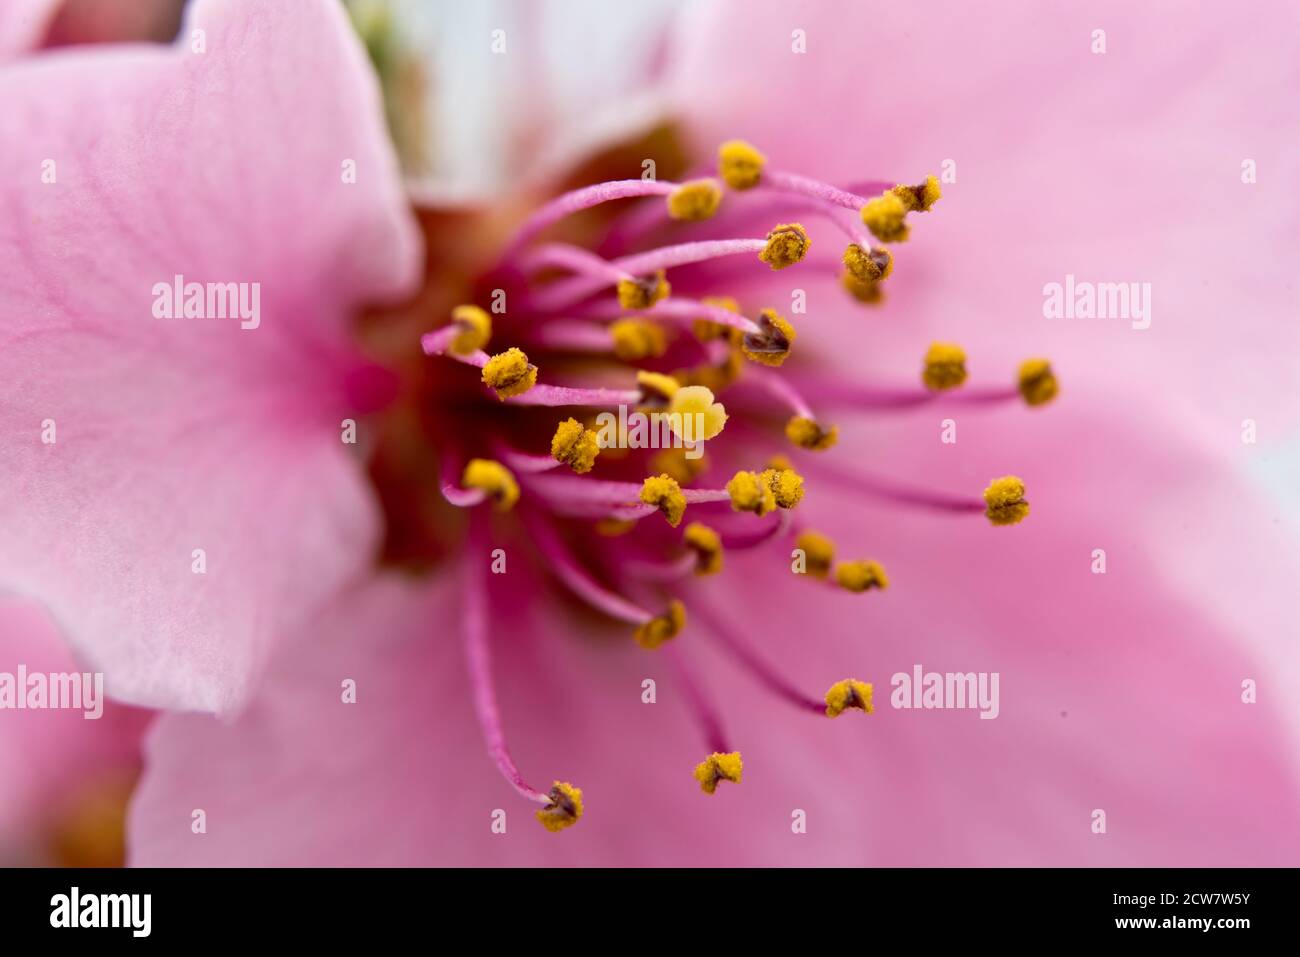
<point x="176" y="435"/>
<point x="23" y="24"/>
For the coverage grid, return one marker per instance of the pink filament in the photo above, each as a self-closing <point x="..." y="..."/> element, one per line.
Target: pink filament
<point x="585" y="198"/>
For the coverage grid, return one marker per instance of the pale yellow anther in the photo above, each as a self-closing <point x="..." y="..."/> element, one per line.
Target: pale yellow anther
<point x="565" y="808"/>
<point x="740" y="164"/>
<point x="494" y="479"/>
<point x="919" y="199"/>
<point x="886" y="217"/>
<point x="786" y="486"/>
<point x="1004" y="501"/>
<point x="656" y="387"/>
<point x="868" y="265"/>
<point x="575" y="446"/>
<point x="707" y="546"/>
<point x="859" y="576"/>
<point x="750" y="492"/>
<point x="771" y="345"/>
<point x="637" y="339"/>
<point x="676" y="464"/>
<point x="694" y="415"/>
<point x="509" y="373"/>
<point x="643" y="292"/>
<point x="787" y="244"/>
<point x="818" y="553"/>
<point x="718" y="767"/>
<point x="695" y="200"/>
<point x="663" y="627"/>
<point x="868" y="293"/>
<point x="846" y="694"/>
<point x="945" y="366"/>
<point x="807" y="434"/>
<point x="474" y="329"/>
<point x="1037" y="382"/>
<point x="663" y="492"/>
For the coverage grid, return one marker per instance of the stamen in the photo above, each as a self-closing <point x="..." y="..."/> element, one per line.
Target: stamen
<point x="635" y="340"/>
<point x="644" y="292"/>
<point x="694" y="201"/>
<point x="718" y="767"/>
<point x="771" y="345"/>
<point x="849" y="693"/>
<point x="920" y="198"/>
<point x="468" y="332"/>
<point x="945" y="366"/>
<point x="885" y="216"/>
<point x="665" y="494"/>
<point x="690" y="401"/>
<point x="786" y="486"/>
<point x="675" y="463"/>
<point x="787" y="244"/>
<point x="494" y="480"/>
<point x="807" y="434"/>
<point x="655" y="387"/>
<point x="868" y="265"/>
<point x="750" y="493"/>
<point x="1005" y="501"/>
<point x="509" y="373"/>
<point x="575" y="446"/>
<point x="740" y="164"/>
<point x="819" y="552"/>
<point x="585" y="198"/>
<point x="890" y="491"/>
<point x="1037" y="383"/>
<point x="707" y="546"/>
<point x="662" y="628"/>
<point x="867" y="293"/>
<point x="858" y="576"/>
<point x="802" y="429"/>
<point x="564" y="808"/>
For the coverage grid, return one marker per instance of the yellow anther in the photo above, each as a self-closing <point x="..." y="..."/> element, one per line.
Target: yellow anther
<point x="644" y="292"/>
<point x="849" y="693"/>
<point x="869" y="293"/>
<point x="740" y="164"/>
<point x="919" y="199"/>
<point x="565" y="808"/>
<point x="945" y="366"/>
<point x="1004" y="501"/>
<point x="1037" y="383"/>
<point x="706" y="330"/>
<point x="695" y="200"/>
<point x="695" y="416"/>
<point x="494" y="479"/>
<point x="509" y="373"/>
<point x="868" y="265"/>
<point x="807" y="434"/>
<point x="750" y="492"/>
<point x="787" y="244"/>
<point x="657" y="387"/>
<point x="786" y="486"/>
<point x="718" y="767"/>
<point x="858" y="576"/>
<point x="770" y="346"/>
<point x="474" y="329"/>
<point x="637" y="339"/>
<point x="885" y="216"/>
<point x="575" y="446"/>
<point x="707" y="546"/>
<point x="674" y="463"/>
<point x="818" y="553"/>
<point x="663" y="492"/>
<point x="614" y="527"/>
<point x="714" y="377"/>
<point x="662" y="627"/>
<point x="779" y="462"/>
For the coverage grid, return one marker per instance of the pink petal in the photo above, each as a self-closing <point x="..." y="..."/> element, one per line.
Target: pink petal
<point x="23" y="24"/>
<point x="176" y="435"/>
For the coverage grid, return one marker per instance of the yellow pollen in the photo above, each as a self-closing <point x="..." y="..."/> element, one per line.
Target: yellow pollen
<point x="644" y="292"/>
<point x="474" y="329"/>
<point x="740" y="164"/>
<point x="718" y="767"/>
<point x="575" y="446"/>
<point x="869" y="293"/>
<point x="637" y="339"/>
<point x="787" y="244"/>
<point x="885" y="216"/>
<point x="663" y="627"/>
<point x="614" y="527"/>
<point x="751" y="492"/>
<point x="663" y="492"/>
<point x="565" y="808"/>
<point x="509" y="373"/>
<point x="655" y="386"/>
<point x="807" y="434"/>
<point x="858" y="576"/>
<point x="1005" y="501"/>
<point x="695" y="201"/>
<point x="779" y="462"/>
<point x="1037" y="382"/>
<point x="849" y="693"/>
<point x="786" y="486"/>
<point x="919" y="199"/>
<point x="494" y="479"/>
<point x="771" y="346"/>
<point x="690" y="401"/>
<point x="818" y="552"/>
<point x="868" y="266"/>
<point x="675" y="464"/>
<point x="707" y="545"/>
<point x="713" y="377"/>
<point x="945" y="366"/>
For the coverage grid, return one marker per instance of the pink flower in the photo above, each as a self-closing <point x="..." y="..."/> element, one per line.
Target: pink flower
<point x="1123" y="691"/>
